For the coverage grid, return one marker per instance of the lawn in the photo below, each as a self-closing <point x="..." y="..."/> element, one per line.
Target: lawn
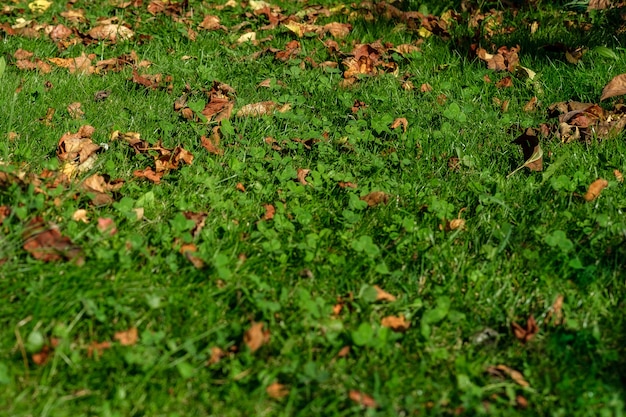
<point x="311" y="208"/>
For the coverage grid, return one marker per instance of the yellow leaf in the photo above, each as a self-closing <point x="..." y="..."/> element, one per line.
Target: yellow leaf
<point x="39" y="6"/>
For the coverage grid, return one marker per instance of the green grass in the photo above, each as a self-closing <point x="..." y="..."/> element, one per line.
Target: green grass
<point x="528" y="238"/>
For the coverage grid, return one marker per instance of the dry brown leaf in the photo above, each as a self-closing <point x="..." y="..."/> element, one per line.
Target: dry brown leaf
<point x="277" y="391"/>
<point x="556" y="311"/>
<point x="362" y="399"/>
<point x="455" y="224"/>
<point x="524" y="334"/>
<point x="375" y="198"/>
<point x="75" y="111"/>
<point x="396" y="323"/>
<point x="505" y="82"/>
<point x="255" y="336"/>
<point x="211" y="23"/>
<point x="302" y="173"/>
<point x="343" y="352"/>
<point x="426" y="88"/>
<point x="127" y="337"/>
<point x="5" y="212"/>
<point x="269" y="212"/>
<point x="80" y="64"/>
<point x="533" y="155"/>
<point x="212" y="144"/>
<point x="247" y="37"/>
<point x="262" y="108"/>
<point x="149" y="173"/>
<point x="618" y="175"/>
<point x="216" y="355"/>
<point x="188" y="250"/>
<point x="382" y="295"/>
<point x="531" y="105"/>
<point x="348" y="184"/>
<point x="338" y="30"/>
<point x="504" y="59"/>
<point x="46" y="243"/>
<point x="615" y="87"/>
<point x="595" y="188"/>
<point x="41" y="357"/>
<point x="400" y="121"/>
<point x="240" y="187"/>
<point x="516" y="376"/>
<point x="111" y="32"/>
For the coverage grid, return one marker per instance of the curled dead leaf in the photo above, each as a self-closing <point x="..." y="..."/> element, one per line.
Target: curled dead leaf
<point x="262" y="108"/>
<point x="595" y="188"/>
<point x="111" y="32"/>
<point x="400" y="121"/>
<point x="301" y="174"/>
<point x="524" y="334"/>
<point x="256" y="336"/>
<point x="269" y="212"/>
<point x="618" y="175"/>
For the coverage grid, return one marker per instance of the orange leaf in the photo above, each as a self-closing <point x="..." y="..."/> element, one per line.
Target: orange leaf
<point x="400" y="121"/>
<point x="128" y="337"/>
<point x="188" y="251"/>
<point x="149" y="174"/>
<point x="97" y="347"/>
<point x="269" y="212"/>
<point x="513" y="374"/>
<point x="382" y="295"/>
<point x="396" y="323"/>
<point x="524" y="334"/>
<point x="277" y="390"/>
<point x="216" y="355"/>
<point x="255" y="336"/>
<point x="595" y="188"/>
<point x="363" y="399"/>
<point x="346" y="184"/>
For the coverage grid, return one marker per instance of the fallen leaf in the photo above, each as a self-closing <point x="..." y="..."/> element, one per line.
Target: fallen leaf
<point x="5" y="211"/>
<point x="516" y="376"/>
<point x="211" y="23"/>
<point x="277" y="391"/>
<point x="212" y="144"/>
<point x="347" y="184"/>
<point x="46" y="243"/>
<point x="505" y="82"/>
<point x="269" y="212"/>
<point x="148" y="173"/>
<point x="362" y="399"/>
<point x="106" y="225"/>
<point x="524" y="334"/>
<point x="396" y="323"/>
<point x="455" y="224"/>
<point x="301" y="174"/>
<point x="521" y="402"/>
<point x="615" y="87"/>
<point x="111" y="32"/>
<point x="426" y="88"/>
<point x="247" y="37"/>
<point x="595" y="188"/>
<point x="188" y="250"/>
<point x="531" y="105"/>
<point x="39" y="6"/>
<point x="505" y="59"/>
<point x="216" y="355"/>
<point x="127" y="337"/>
<point x="77" y="149"/>
<point x="343" y="352"/>
<point x="79" y="215"/>
<point x="97" y="347"/>
<point x="618" y="175"/>
<point x="261" y="109"/>
<point x="556" y="311"/>
<point x="255" y="336"/>
<point x="400" y="121"/>
<point x="375" y="198"/>
<point x="41" y="357"/>
<point x="533" y="154"/>
<point x="75" y="110"/>
<point x="382" y="295"/>
<point x="240" y="187"/>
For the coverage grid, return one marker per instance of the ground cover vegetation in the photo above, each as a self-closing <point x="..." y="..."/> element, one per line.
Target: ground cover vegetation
<point x="311" y="208"/>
